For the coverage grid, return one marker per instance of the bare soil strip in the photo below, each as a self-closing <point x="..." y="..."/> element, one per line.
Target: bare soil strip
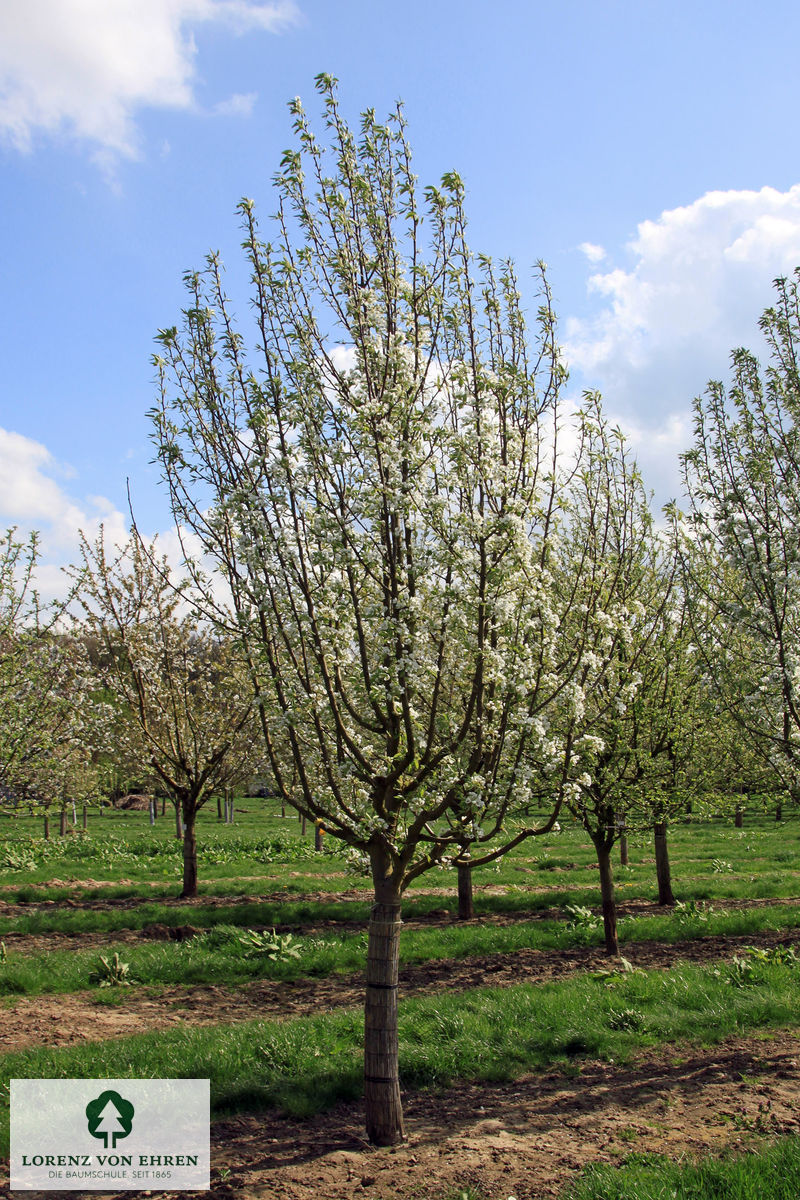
<point x="525" y="1139"/>
<point x="66" y="1019"/>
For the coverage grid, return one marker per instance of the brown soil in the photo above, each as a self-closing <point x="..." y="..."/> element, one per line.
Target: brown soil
<point x="60" y="1020"/>
<point x="525" y="1139"/>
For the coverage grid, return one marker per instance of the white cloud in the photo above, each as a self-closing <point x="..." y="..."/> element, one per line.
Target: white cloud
<point x="595" y="254"/>
<point x="237" y="105"/>
<point x="700" y="279"/>
<point x="85" y="67"/>
<point x="33" y="496"/>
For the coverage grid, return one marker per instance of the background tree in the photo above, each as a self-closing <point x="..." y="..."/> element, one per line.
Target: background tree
<point x="742" y="545"/>
<point x="185" y="710"/>
<point x="47" y="715"/>
<point x="615" y="570"/>
<point x="381" y="489"/>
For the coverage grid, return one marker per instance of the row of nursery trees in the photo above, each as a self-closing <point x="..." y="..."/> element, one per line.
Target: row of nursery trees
<point x="120" y="682"/>
<point x="444" y="601"/>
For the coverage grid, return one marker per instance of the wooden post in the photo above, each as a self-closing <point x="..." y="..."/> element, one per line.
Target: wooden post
<point x="623" y="844"/>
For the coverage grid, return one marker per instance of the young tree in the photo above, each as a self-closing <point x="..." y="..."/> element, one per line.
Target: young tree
<point x="46" y="707"/>
<point x="185" y="712"/>
<point x="381" y="490"/>
<point x="621" y="576"/>
<point x="742" y="555"/>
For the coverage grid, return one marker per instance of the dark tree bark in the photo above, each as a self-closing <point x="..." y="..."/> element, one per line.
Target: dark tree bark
<point x="189" y="853"/>
<point x="603" y="848"/>
<point x="179" y="826"/>
<point x="466" y="908"/>
<point x="778" y="812"/>
<point x="384" y="1111"/>
<point x="623" y="845"/>
<point x="738" y="817"/>
<point x="663" y="878"/>
<point x="319" y="833"/>
<point x="46" y="828"/>
<point x="219" y="807"/>
<point x="62" y="825"/>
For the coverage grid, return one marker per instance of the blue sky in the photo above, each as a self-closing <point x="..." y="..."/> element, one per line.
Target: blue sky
<point x="646" y="151"/>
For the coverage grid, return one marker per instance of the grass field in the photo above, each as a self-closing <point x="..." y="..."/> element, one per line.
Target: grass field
<point x="70" y="902"/>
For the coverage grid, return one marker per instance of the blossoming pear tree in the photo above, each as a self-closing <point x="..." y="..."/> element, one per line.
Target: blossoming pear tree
<point x="742" y="553"/>
<point x="46" y="705"/>
<point x="621" y="574"/>
<point x="378" y="481"/>
<point x="184" y="710"/>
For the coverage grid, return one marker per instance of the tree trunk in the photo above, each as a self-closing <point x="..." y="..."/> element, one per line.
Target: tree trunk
<point x="607" y="893"/>
<point x="85" y="817"/>
<point x="303" y="824"/>
<point x="163" y="806"/>
<point x="62" y="824"/>
<point x="231" y="803"/>
<point x="665" y="895"/>
<point x="319" y="833"/>
<point x="623" y="846"/>
<point x="219" y="807"/>
<point x="153" y="807"/>
<point x="46" y="828"/>
<point x="189" y="856"/>
<point x="778" y="812"/>
<point x="179" y="830"/>
<point x="74" y="814"/>
<point x="384" y="1110"/>
<point x="466" y="909"/>
<point x="738" y="817"/>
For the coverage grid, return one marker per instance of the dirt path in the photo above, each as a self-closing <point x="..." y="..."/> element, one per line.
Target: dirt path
<point x="83" y="1017"/>
<point x="525" y="1139"/>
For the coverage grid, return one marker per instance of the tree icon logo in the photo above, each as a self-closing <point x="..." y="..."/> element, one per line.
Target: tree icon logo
<point x="109" y="1117"/>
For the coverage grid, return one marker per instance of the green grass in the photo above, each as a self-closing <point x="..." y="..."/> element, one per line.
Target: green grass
<point x="764" y="855"/>
<point x="218" y="956"/>
<point x="485" y="1034"/>
<point x="770" y="1173"/>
